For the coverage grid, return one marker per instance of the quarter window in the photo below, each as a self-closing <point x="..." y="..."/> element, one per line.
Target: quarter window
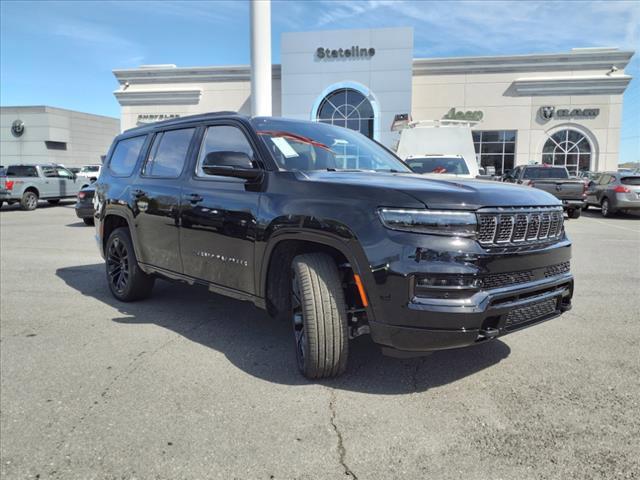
<point x="125" y="156"/>
<point x="223" y="138"/>
<point x="495" y="148"/>
<point x="168" y="153"/>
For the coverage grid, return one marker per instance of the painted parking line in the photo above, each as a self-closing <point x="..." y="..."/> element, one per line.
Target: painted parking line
<point x="611" y="225"/>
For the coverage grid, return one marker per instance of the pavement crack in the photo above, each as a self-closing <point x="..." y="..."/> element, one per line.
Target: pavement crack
<point x="342" y="451"/>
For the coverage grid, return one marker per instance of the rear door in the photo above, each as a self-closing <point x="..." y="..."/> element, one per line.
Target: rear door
<point x="156" y="196"/>
<point x="218" y="215"/>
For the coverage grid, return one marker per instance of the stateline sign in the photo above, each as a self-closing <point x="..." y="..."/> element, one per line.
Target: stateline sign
<point x="353" y="52"/>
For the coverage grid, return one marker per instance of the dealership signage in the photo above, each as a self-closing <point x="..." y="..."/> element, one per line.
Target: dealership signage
<point x="352" y="52"/>
<point x="549" y="112"/>
<point x="155" y="117"/>
<point x="469" y="115"/>
<point x="17" y="128"/>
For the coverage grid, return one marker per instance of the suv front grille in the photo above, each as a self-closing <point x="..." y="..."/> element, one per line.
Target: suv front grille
<point x="535" y="311"/>
<point x="517" y="226"/>
<point x="499" y="280"/>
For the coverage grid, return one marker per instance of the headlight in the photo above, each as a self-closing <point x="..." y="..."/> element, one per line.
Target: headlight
<point x="435" y="222"/>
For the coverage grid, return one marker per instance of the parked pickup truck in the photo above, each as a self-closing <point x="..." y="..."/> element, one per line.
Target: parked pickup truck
<point x="555" y="180"/>
<point x="267" y="210"/>
<point x="29" y="183"/>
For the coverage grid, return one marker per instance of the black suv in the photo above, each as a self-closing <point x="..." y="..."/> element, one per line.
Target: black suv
<point x="321" y="226"/>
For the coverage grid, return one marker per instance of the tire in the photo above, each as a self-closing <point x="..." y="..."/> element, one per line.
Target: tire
<point x="319" y="316"/>
<point x="586" y="207"/>
<point x="126" y="280"/>
<point x="1" y="203"/>
<point x="29" y="200"/>
<point x="574" y="213"/>
<point x="54" y="201"/>
<point x="89" y="221"/>
<point x="605" y="208"/>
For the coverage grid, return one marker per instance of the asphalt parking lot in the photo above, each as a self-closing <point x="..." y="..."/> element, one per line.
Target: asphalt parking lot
<point x="190" y="385"/>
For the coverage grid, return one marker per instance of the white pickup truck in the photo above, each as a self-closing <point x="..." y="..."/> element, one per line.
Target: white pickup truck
<point x="27" y="184"/>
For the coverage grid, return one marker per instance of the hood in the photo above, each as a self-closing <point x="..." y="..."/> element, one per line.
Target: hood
<point x="449" y="193"/>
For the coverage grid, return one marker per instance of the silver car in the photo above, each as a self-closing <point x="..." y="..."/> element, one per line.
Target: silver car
<point x="614" y="192"/>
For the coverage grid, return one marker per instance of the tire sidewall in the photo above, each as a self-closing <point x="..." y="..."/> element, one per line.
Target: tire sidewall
<point x="27" y="202"/>
<point x="128" y="293"/>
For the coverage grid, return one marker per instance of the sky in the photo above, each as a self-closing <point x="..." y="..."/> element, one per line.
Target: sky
<point x="63" y="53"/>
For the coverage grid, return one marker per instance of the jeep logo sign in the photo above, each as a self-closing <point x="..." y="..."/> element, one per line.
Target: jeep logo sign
<point x="353" y="52"/>
<point x="548" y="112"/>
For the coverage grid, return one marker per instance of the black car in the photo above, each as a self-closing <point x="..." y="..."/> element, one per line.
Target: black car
<point x="84" y="205"/>
<point x="331" y="231"/>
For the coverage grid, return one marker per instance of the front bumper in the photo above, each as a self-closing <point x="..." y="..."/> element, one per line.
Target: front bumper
<point x="489" y="315"/>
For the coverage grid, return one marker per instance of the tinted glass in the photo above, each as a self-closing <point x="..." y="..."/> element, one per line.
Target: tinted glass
<point x="21" y="171"/>
<point x="439" y="165"/>
<point x="168" y="153"/>
<point x="49" y="172"/>
<point x="299" y="145"/>
<point x="223" y="138"/>
<point x="63" y="172"/>
<point x="125" y="155"/>
<point x="630" y="181"/>
<point x="545" y="173"/>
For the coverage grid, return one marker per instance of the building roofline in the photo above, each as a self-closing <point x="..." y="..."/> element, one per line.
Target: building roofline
<point x="588" y="59"/>
<point x="47" y="108"/>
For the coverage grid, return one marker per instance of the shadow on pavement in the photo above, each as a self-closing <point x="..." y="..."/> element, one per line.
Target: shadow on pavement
<point x="263" y="347"/>
<point x="594" y="212"/>
<point x="42" y="204"/>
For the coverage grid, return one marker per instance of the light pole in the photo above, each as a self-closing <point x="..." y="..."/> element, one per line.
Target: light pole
<point x="261" y="57"/>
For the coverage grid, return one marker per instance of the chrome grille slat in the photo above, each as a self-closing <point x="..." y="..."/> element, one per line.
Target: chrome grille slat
<point x="519" y="226"/>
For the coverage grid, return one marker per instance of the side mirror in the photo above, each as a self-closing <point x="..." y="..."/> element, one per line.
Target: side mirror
<point x="230" y="164"/>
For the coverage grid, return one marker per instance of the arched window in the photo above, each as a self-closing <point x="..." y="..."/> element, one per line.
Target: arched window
<point x="349" y="108"/>
<point x="568" y="148"/>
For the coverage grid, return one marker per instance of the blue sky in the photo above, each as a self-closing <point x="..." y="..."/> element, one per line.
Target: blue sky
<point x="62" y="53"/>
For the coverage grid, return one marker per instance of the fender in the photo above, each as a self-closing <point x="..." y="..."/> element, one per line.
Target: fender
<point x="127" y="215"/>
<point x="349" y="247"/>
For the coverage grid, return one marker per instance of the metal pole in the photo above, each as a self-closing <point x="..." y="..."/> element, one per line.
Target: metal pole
<point x="261" y="57"/>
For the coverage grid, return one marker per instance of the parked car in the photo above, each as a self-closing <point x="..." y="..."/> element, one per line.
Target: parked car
<point x="74" y="170"/>
<point x="28" y="183"/>
<point x="447" y="165"/>
<point x="84" y="204"/>
<point x="555" y="180"/>
<point x="268" y="210"/>
<point x="90" y="173"/>
<point x="614" y="192"/>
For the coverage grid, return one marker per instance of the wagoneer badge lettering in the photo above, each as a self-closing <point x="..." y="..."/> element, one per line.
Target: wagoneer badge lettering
<point x="221" y="258"/>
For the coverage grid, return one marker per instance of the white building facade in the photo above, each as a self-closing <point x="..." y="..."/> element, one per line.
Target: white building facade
<point x="41" y="134"/>
<point x="561" y="108"/>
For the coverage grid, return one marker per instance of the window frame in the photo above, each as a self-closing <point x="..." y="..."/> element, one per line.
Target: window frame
<point x="502" y="135"/>
<point x="149" y="150"/>
<point x="202" y="135"/>
<point x="143" y="151"/>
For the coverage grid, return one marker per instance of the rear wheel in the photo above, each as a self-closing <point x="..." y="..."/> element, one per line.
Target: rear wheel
<point x="605" y="208"/>
<point x="127" y="281"/>
<point x="88" y="221"/>
<point x="54" y="201"/>
<point x="29" y="200"/>
<point x="574" y="213"/>
<point x="319" y="316"/>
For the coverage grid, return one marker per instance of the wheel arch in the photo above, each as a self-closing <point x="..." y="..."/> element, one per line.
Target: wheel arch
<point x="113" y="219"/>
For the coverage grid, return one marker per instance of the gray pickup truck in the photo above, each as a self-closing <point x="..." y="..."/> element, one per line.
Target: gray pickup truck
<point x="27" y="184"/>
<point x="555" y="180"/>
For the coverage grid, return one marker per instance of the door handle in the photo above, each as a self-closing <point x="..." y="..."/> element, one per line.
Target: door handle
<point x="139" y="193"/>
<point x="195" y="198"/>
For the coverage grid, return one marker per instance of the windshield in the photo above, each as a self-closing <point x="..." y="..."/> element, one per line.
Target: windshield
<point x="299" y="145"/>
<point x="451" y="165"/>
<point x="545" y="172"/>
<point x="90" y="168"/>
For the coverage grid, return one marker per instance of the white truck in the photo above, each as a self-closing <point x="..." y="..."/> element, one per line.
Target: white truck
<point x="439" y="148"/>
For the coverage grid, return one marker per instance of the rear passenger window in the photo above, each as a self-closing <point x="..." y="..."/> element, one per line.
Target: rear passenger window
<point x="125" y="156"/>
<point x="21" y="171"/>
<point x="168" y="153"/>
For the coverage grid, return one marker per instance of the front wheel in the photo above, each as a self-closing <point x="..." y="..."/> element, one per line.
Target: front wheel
<point x="126" y="279"/>
<point x="574" y="213"/>
<point x="319" y="316"/>
<point x="89" y="221"/>
<point x="29" y="200"/>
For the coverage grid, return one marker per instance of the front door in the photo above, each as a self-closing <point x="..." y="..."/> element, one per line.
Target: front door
<point x="50" y="187"/>
<point x="67" y="182"/>
<point x="156" y="196"/>
<point x="218" y="217"/>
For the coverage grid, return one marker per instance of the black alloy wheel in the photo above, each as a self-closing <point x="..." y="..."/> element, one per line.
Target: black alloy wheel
<point x="118" y="266"/>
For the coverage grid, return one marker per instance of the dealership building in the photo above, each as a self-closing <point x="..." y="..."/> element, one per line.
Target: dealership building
<point x="43" y="134"/>
<point x="560" y="108"/>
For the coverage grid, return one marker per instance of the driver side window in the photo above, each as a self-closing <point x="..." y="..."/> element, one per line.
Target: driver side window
<point x="223" y="138"/>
